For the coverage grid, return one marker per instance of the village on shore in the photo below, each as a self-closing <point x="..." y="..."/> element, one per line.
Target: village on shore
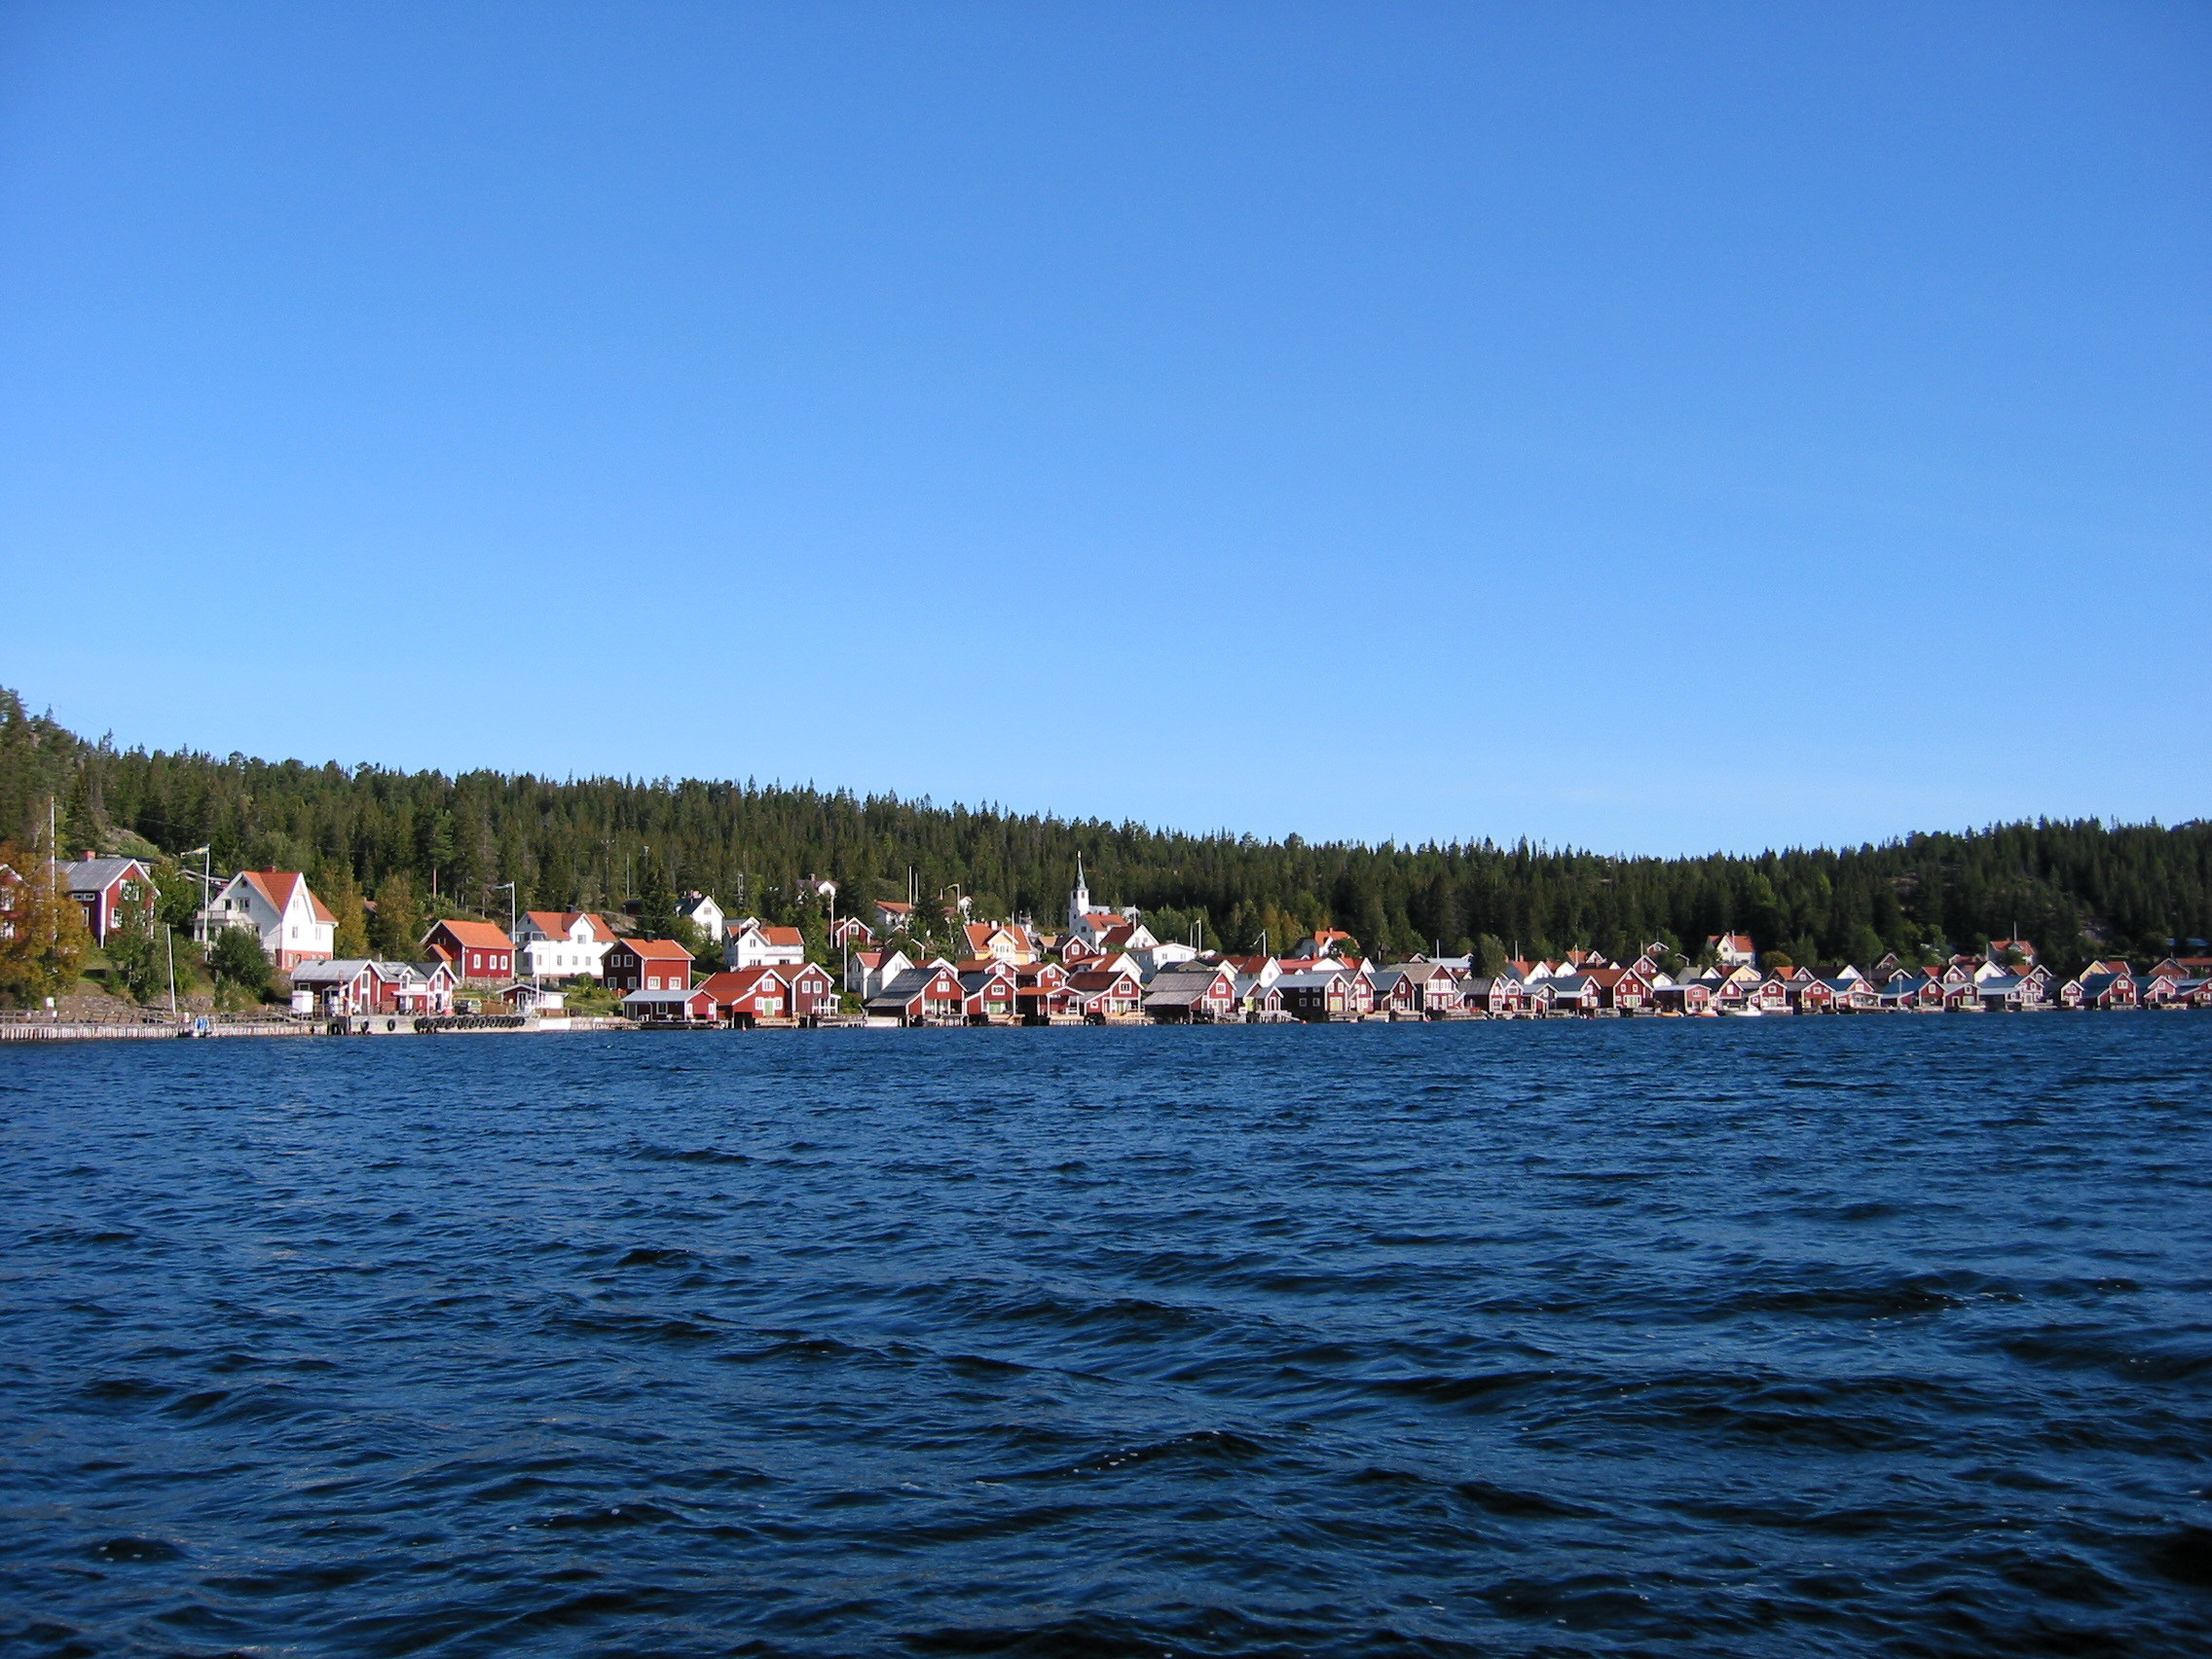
<point x="1105" y="967"/>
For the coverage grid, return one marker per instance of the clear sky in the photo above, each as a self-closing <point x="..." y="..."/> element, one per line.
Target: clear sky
<point x="1654" y="427"/>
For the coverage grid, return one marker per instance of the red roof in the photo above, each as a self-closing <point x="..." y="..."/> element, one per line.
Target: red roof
<point x="657" y="949"/>
<point x="555" y="924"/>
<point x="277" y="885"/>
<point x="736" y="982"/>
<point x="476" y="936"/>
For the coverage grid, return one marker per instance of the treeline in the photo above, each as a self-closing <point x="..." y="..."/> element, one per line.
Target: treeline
<point x="2075" y="888"/>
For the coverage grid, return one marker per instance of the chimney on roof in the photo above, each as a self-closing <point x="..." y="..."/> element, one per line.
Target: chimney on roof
<point x="86" y="857"/>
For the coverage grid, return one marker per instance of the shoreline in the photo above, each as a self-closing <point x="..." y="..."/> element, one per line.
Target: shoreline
<point x="523" y="1025"/>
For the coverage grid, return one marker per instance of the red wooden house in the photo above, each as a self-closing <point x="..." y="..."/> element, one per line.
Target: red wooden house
<point x="988" y="992"/>
<point x="105" y="888"/>
<point x="1192" y="993"/>
<point x="813" y="993"/>
<point x="748" y="996"/>
<point x="481" y="953"/>
<point x="671" y="1004"/>
<point x="1501" y="998"/>
<point x="1622" y="989"/>
<point x="646" y="965"/>
<point x="1571" y="993"/>
<point x="1040" y="992"/>
<point x="1770" y="996"/>
<point x="2108" y="990"/>
<point x="1811" y="996"/>
<point x="1106" y="996"/>
<point x="920" y="996"/>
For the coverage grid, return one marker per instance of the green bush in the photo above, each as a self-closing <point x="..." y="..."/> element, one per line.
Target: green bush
<point x="236" y="959"/>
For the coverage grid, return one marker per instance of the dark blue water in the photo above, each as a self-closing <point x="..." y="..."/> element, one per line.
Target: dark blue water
<point x="1837" y="1337"/>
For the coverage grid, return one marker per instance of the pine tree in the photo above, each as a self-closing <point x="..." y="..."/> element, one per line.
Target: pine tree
<point x="398" y="927"/>
<point x="350" y="941"/>
<point x="656" y="899"/>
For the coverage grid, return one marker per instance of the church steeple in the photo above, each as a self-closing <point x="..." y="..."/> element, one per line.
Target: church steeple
<point x="1079" y="901"/>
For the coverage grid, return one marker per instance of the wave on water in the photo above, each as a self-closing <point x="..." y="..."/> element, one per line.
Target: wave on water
<point x="1821" y="1337"/>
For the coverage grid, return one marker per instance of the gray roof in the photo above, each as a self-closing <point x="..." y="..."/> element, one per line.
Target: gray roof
<point x="91" y="875"/>
<point x="904" y="987"/>
<point x="1199" y="974"/>
<point x="344" y="968"/>
<point x="1172" y="987"/>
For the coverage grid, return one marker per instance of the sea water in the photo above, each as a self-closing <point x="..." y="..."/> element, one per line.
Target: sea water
<point x="1843" y="1336"/>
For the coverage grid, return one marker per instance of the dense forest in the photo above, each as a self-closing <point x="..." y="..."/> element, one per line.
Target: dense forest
<point x="452" y="843"/>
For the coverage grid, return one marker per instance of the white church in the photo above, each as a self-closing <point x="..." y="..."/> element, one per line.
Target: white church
<point x="1119" y="930"/>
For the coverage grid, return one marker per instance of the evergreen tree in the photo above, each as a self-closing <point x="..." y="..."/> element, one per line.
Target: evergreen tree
<point x="437" y="844"/>
<point x="176" y="896"/>
<point x="396" y="930"/>
<point x="656" y="899"/>
<point x="349" y="938"/>
<point x="2073" y="888"/>
<point x="1374" y="932"/>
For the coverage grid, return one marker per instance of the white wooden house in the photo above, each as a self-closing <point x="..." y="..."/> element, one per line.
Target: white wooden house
<point x="291" y="923"/>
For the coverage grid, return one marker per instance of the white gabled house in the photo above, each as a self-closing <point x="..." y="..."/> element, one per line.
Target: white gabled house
<point x="703" y="914"/>
<point x="755" y="945"/>
<point x="561" y="944"/>
<point x="291" y="922"/>
<point x="868" y="971"/>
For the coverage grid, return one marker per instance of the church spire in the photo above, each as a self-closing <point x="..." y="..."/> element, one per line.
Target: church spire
<point x="1079" y="901"/>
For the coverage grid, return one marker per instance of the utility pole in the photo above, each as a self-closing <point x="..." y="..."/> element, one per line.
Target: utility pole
<point x="206" y="888"/>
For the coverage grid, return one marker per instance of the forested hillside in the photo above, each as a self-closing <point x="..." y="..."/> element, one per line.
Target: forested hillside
<point x="2073" y="887"/>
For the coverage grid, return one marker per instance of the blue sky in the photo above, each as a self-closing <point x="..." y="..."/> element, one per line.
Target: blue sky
<point x="1651" y="427"/>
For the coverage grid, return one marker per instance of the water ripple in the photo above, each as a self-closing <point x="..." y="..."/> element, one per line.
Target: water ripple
<point x="1846" y="1336"/>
